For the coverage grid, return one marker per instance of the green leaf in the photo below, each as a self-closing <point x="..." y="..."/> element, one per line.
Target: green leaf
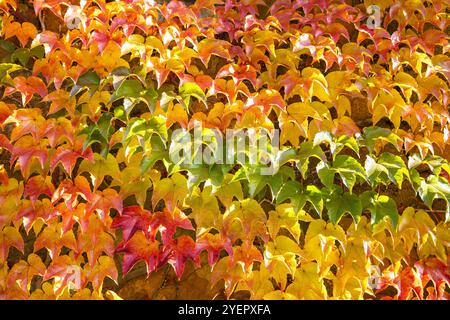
<point x="374" y="171"/>
<point x="379" y="207"/>
<point x="308" y="150"/>
<point x="345" y="141"/>
<point x="7" y="46"/>
<point x="128" y="89"/>
<point x="191" y="89"/>
<point x="22" y="55"/>
<point x="257" y="181"/>
<point x="326" y="174"/>
<point x="38" y="51"/>
<point x="6" y="69"/>
<point x="338" y="204"/>
<point x="435" y="187"/>
<point x="373" y="134"/>
<point x="158" y="152"/>
<point x="146" y="128"/>
<point x="348" y="168"/>
<point x="396" y="168"/>
<point x="336" y="144"/>
<point x="298" y="196"/>
<point x="99" y="132"/>
<point x="89" y="79"/>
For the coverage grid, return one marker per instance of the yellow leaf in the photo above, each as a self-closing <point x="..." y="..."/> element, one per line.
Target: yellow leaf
<point x="100" y="168"/>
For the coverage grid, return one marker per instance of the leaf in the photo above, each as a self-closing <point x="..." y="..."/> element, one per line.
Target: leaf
<point x="435" y="188"/>
<point x="5" y="70"/>
<point x="228" y="190"/>
<point x="128" y="89"/>
<point x="53" y="238"/>
<point x="37" y="186"/>
<point x="27" y="87"/>
<point x="347" y="167"/>
<point x="105" y="267"/>
<point x="93" y="238"/>
<point x="379" y="207"/>
<point x="205" y="210"/>
<point x="100" y="168"/>
<point x="265" y="99"/>
<point x="307" y="283"/>
<point x="245" y="220"/>
<point x="23" y="32"/>
<point x="284" y="216"/>
<point x="213" y="244"/>
<point x="22" y="273"/>
<point x="338" y="204"/>
<point x="103" y="201"/>
<point x="9" y="237"/>
<point x="191" y="89"/>
<point x="299" y="195"/>
<point x="208" y="47"/>
<point x="308" y="150"/>
<point x="373" y="134"/>
<point x="172" y="190"/>
<point x="389" y="166"/>
<point x="182" y="248"/>
<point x="61" y="99"/>
<point x="284" y="250"/>
<point x="90" y="79"/>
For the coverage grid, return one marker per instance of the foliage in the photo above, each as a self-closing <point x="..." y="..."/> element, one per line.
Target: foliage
<point x="88" y="112"/>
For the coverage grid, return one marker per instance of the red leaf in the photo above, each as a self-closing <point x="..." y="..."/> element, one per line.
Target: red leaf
<point x="27" y="87"/>
<point x="133" y="218"/>
<point x="38" y="185"/>
<point x="214" y="244"/>
<point x="139" y="248"/>
<point x="181" y="249"/>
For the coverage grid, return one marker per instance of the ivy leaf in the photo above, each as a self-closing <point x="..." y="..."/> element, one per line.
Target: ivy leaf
<point x="284" y="250"/>
<point x="348" y="168"/>
<point x="208" y="47"/>
<point x="435" y="187"/>
<point x="228" y="190"/>
<point x="172" y="190"/>
<point x="245" y="220"/>
<point x="284" y="216"/>
<point x="191" y="89"/>
<point x="158" y="152"/>
<point x="373" y="134"/>
<point x="99" y="132"/>
<point x="182" y="248"/>
<point x="128" y="89"/>
<point x="213" y="244"/>
<point x="9" y="237"/>
<point x="374" y="171"/>
<point x="205" y="210"/>
<point x="90" y="79"/>
<point x="380" y="206"/>
<point x="138" y="247"/>
<point x="133" y="218"/>
<point x="336" y="144"/>
<point x="307" y="150"/>
<point x="100" y="168"/>
<point x="257" y="181"/>
<point x="396" y="167"/>
<point x="298" y="195"/>
<point x="340" y="203"/>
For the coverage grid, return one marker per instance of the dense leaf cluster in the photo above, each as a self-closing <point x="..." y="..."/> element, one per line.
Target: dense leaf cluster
<point x="358" y="206"/>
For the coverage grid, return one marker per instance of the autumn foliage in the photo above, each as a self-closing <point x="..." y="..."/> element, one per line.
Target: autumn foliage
<point x="92" y="91"/>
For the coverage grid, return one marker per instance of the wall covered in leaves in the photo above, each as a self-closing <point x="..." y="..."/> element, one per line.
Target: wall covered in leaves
<point x="91" y="200"/>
